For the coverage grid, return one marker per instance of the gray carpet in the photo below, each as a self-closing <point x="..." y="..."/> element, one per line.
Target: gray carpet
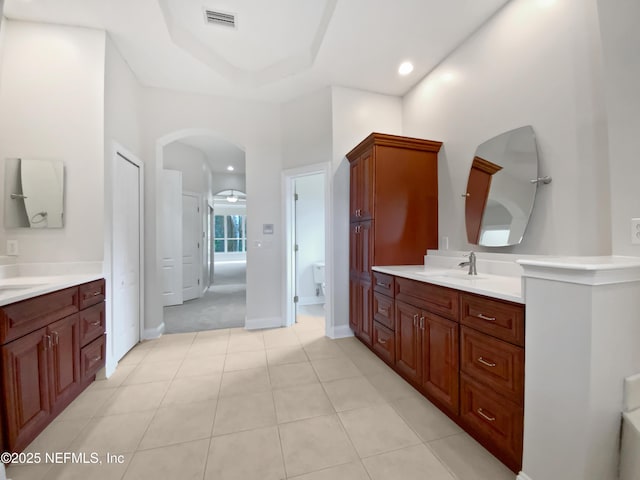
<point x="222" y="306"/>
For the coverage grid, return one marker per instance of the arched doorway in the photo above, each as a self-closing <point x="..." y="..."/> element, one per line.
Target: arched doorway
<point x="193" y="169"/>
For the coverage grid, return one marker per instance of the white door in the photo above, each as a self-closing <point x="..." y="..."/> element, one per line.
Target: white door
<point x="126" y="256"/>
<point x="191" y="233"/>
<point x="171" y="218"/>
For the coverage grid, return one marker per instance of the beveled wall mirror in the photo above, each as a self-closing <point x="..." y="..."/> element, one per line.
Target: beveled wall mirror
<point x="501" y="188"/>
<point x="33" y="193"/>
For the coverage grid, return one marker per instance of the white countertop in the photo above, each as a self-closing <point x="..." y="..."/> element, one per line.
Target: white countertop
<point x="15" y="289"/>
<point x="497" y="286"/>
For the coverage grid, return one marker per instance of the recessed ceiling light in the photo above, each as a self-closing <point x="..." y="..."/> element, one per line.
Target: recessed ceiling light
<point x="405" y="68"/>
<point x="230" y="168"/>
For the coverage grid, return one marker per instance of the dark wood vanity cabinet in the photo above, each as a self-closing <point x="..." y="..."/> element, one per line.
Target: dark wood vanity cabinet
<point x="393" y="214"/>
<point x="464" y="352"/>
<point x="427" y="351"/>
<point x="41" y="369"/>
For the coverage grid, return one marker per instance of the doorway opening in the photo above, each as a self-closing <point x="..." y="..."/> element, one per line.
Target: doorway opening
<point x="306" y="198"/>
<point x="203" y="243"/>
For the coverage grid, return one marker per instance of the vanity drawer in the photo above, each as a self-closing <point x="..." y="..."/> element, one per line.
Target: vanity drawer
<point x="92" y="323"/>
<point x="92" y="358"/>
<point x="383" y="310"/>
<point x="383" y="283"/>
<point x="495" y="421"/>
<point x="20" y="318"/>
<point x="91" y="293"/>
<point x="383" y="343"/>
<point x="499" y="319"/>
<point x="494" y="363"/>
<point x="436" y="299"/>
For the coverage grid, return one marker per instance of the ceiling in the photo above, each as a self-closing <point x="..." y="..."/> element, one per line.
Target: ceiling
<point x="220" y="153"/>
<point x="280" y="49"/>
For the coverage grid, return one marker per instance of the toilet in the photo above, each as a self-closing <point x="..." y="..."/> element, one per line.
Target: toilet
<point x="630" y="444"/>
<point x="318" y="277"/>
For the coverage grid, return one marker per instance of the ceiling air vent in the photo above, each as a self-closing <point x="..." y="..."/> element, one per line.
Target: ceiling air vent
<point x="220" y="18"/>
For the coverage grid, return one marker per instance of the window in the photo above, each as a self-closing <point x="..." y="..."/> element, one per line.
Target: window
<point x="230" y="233"/>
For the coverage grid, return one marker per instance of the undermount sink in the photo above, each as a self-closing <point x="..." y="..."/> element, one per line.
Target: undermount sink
<point x="453" y="274"/>
<point x="462" y="276"/>
<point x="20" y="286"/>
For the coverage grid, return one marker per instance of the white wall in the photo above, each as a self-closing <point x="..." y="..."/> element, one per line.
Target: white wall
<point x="52" y="107"/>
<point x="620" y="40"/>
<point x="228" y="181"/>
<point x="196" y="173"/>
<point x="309" y="235"/>
<point x="254" y="127"/>
<point x="306" y="130"/>
<point x="535" y="63"/>
<point x="355" y="114"/>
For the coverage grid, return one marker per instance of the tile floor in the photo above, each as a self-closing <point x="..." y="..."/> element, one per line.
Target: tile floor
<point x="272" y="404"/>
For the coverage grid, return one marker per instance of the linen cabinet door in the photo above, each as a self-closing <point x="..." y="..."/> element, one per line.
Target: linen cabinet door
<point x="25" y="378"/>
<point x="366" y="325"/>
<point x="355" y="306"/>
<point x="65" y="358"/>
<point x="407" y="341"/>
<point x="440" y="360"/>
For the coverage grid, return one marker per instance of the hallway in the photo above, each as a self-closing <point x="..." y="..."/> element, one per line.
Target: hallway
<point x="223" y="305"/>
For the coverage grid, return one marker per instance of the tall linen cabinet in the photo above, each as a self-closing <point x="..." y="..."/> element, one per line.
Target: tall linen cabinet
<point x="393" y="214"/>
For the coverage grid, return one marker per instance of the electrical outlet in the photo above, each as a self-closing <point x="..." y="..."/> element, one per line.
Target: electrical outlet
<point x="12" y="247"/>
<point x="635" y="231"/>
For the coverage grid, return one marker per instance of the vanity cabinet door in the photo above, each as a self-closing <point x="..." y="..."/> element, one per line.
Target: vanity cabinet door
<point x="65" y="358"/>
<point x="440" y="360"/>
<point x="25" y="388"/>
<point x="360" y="318"/>
<point x="361" y="187"/>
<point x="408" y="341"/>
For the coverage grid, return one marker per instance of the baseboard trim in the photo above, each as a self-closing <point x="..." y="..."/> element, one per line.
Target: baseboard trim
<point x="151" y="333"/>
<point x="311" y="300"/>
<point x="523" y="476"/>
<point x="339" y="331"/>
<point x="258" y="323"/>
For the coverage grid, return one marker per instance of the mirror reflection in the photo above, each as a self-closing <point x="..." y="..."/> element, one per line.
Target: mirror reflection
<point x="500" y="192"/>
<point x="34" y="193"/>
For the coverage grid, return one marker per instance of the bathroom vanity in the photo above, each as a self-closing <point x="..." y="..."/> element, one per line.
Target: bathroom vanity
<point x="462" y="350"/>
<point x="52" y="343"/>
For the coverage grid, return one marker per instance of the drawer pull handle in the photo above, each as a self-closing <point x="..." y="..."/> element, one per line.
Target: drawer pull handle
<point x="484" y="317"/>
<point x="383" y="342"/>
<point x="95" y="359"/>
<point x="383" y="311"/>
<point x="95" y="324"/>
<point x="95" y="294"/>
<point x="484" y="362"/>
<point x="382" y="284"/>
<point x="485" y="416"/>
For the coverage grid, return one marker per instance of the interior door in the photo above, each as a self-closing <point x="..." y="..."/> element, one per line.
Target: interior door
<point x="191" y="233"/>
<point x="171" y="218"/>
<point x="126" y="256"/>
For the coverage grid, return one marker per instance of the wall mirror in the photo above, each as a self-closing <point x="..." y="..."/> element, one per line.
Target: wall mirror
<point x="501" y="188"/>
<point x="34" y="193"/>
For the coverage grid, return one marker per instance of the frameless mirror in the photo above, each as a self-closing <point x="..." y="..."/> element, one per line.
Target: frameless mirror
<point x="501" y="188"/>
<point x="34" y="193"/>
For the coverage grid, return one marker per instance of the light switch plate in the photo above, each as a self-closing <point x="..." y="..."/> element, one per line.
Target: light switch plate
<point x="12" y="247"/>
<point x="635" y="231"/>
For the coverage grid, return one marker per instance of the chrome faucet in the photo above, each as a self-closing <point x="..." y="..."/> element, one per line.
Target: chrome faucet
<point x="471" y="263"/>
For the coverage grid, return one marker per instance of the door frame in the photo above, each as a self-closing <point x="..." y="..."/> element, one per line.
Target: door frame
<point x="288" y="209"/>
<point x="117" y="151"/>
